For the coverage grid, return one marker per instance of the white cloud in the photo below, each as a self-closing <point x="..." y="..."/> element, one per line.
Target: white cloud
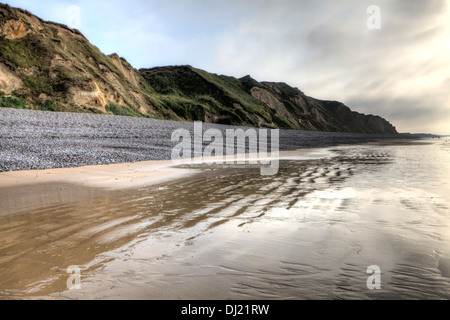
<point x="398" y="72"/>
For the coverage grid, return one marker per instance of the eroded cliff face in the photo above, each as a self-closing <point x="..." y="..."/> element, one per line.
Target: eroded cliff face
<point x="45" y="62"/>
<point x="313" y="114"/>
<point x="9" y="82"/>
<point x="14" y="29"/>
<point x="54" y="67"/>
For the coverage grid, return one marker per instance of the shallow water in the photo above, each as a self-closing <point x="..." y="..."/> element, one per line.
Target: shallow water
<point x="309" y="232"/>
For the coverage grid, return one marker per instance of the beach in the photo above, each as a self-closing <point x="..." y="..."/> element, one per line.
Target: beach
<point x="164" y="230"/>
<point x="37" y="140"/>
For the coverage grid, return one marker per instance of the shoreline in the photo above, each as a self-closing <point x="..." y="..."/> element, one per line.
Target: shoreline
<point x="118" y="152"/>
<point x="39" y="140"/>
<point x="119" y="176"/>
<point x="130" y="175"/>
<point x="111" y="176"/>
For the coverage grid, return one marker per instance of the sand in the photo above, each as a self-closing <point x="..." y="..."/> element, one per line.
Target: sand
<point x="132" y="175"/>
<point x="113" y="176"/>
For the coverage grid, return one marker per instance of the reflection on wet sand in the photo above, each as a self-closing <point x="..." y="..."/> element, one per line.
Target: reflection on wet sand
<point x="310" y="231"/>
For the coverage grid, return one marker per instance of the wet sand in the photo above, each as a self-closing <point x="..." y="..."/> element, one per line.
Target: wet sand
<point x="309" y="232"/>
<point x="136" y="174"/>
<point x="113" y="176"/>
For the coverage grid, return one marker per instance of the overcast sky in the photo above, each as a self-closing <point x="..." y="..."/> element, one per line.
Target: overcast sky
<point x="324" y="47"/>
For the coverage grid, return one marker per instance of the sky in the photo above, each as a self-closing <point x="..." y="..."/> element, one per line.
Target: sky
<point x="385" y="57"/>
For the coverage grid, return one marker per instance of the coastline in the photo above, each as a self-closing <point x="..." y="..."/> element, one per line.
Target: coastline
<point x="129" y="175"/>
<point x="40" y="140"/>
<point x="118" y="152"/>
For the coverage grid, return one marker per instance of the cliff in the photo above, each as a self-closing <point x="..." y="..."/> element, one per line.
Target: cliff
<point x="49" y="66"/>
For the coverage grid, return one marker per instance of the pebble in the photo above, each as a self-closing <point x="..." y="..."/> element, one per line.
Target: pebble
<point x="31" y="139"/>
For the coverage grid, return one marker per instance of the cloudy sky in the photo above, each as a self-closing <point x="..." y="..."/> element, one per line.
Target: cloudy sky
<point x="400" y="71"/>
